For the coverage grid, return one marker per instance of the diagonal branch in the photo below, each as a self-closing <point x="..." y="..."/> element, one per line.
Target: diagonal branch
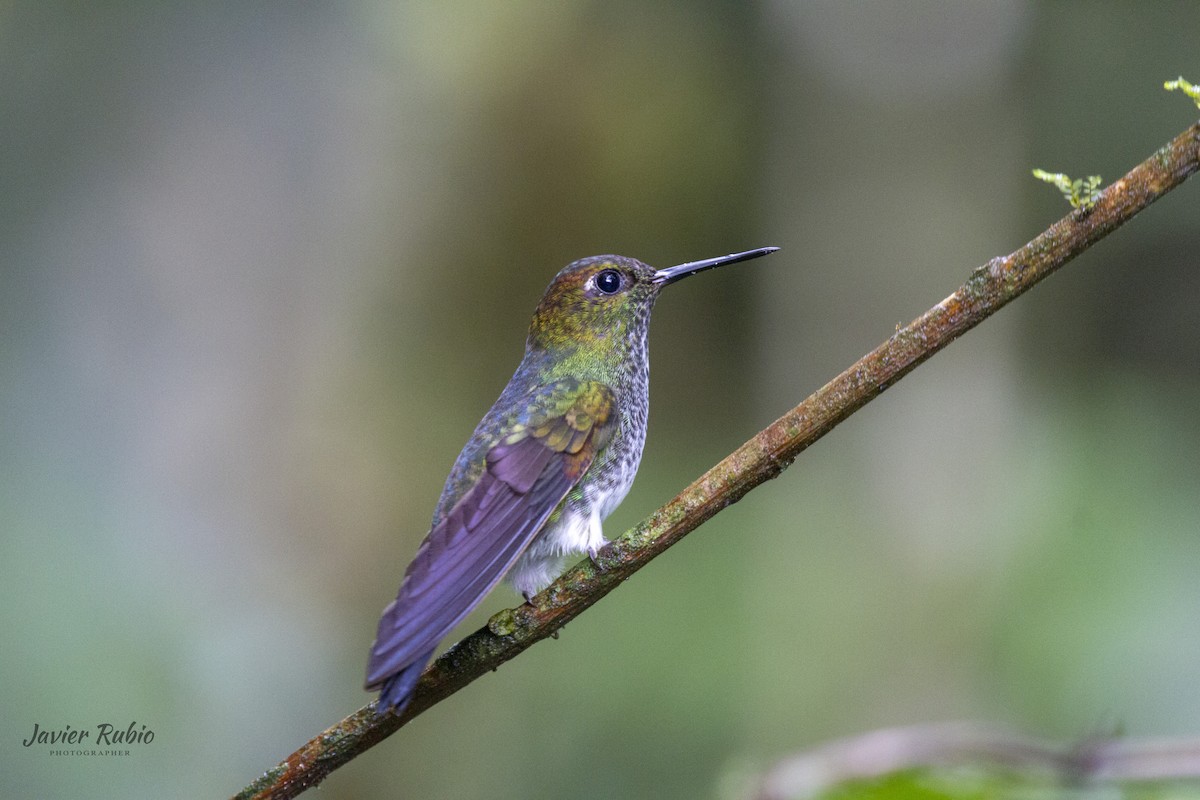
<point x="988" y="289"/>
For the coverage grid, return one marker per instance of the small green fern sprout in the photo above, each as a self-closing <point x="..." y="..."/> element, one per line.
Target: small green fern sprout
<point x="1185" y="87"/>
<point x="1080" y="193"/>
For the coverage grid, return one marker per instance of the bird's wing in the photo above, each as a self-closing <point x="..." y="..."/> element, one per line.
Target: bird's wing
<point x="526" y="475"/>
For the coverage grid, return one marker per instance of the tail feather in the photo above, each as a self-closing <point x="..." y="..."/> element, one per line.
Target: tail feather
<point x="398" y="689"/>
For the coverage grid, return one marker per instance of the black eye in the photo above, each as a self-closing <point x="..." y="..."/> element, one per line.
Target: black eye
<point x="608" y="281"/>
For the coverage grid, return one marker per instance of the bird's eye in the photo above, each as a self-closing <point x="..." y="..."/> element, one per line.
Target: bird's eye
<point x="608" y="281"/>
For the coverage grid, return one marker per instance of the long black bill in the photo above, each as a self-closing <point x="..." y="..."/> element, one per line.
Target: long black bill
<point x="672" y="274"/>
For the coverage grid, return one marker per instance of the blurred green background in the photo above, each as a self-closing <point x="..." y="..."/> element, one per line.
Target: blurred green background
<point x="263" y="267"/>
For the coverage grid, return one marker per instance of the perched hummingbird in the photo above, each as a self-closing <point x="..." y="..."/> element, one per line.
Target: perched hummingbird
<point x="552" y="458"/>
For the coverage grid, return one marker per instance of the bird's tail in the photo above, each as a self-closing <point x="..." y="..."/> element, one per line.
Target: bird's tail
<point x="398" y="689"/>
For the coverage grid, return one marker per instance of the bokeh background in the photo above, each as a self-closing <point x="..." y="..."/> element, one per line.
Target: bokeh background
<point x="263" y="267"/>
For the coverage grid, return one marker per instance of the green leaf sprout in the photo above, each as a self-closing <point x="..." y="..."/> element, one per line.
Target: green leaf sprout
<point x="1080" y="193"/>
<point x="1185" y="87"/>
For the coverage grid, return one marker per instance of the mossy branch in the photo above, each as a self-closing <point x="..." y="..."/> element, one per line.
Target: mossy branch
<point x="988" y="289"/>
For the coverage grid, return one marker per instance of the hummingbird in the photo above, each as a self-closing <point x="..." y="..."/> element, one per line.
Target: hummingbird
<point x="554" y="456"/>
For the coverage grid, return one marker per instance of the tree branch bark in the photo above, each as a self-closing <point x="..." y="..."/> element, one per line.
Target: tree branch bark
<point x="988" y="289"/>
<point x="882" y="752"/>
